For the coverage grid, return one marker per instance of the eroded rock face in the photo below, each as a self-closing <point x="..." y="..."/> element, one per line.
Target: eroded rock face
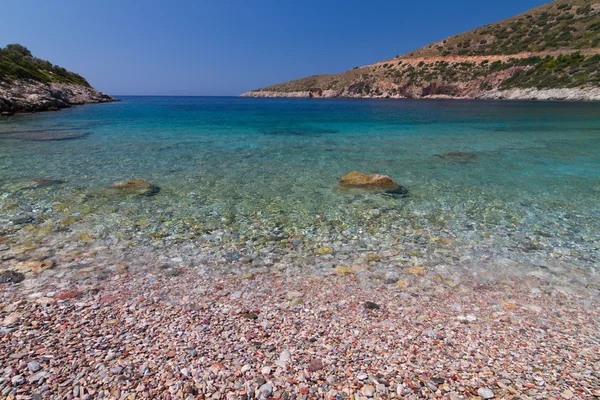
<point x="137" y="186"/>
<point x="29" y="96"/>
<point x="373" y="182"/>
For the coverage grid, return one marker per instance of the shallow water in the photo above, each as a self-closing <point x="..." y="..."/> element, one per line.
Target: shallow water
<point x="254" y="172"/>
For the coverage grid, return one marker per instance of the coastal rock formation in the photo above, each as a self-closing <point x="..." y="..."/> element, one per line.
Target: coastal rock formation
<point x="373" y="182"/>
<point x="29" y="96"/>
<point x="136" y="186"/>
<point x="29" y="84"/>
<point x="548" y="53"/>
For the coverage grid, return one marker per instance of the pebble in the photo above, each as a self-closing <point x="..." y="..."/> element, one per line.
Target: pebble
<point x="22" y="219"/>
<point x="485" y="393"/>
<point x="265" y="370"/>
<point x="567" y="394"/>
<point x="315" y="365"/>
<point x="285" y="356"/>
<point x="34" y="366"/>
<point x="266" y="390"/>
<point x="10" y="320"/>
<point x="369" y="305"/>
<point x="368" y="390"/>
<point x="362" y="376"/>
<point x="17" y="380"/>
<point x="116" y="370"/>
<point x="467" y="318"/>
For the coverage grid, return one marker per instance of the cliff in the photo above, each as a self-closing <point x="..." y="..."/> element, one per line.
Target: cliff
<point x="29" y="84"/>
<point x="549" y="52"/>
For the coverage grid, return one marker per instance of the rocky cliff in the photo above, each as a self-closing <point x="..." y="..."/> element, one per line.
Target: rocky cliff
<point x="29" y="96"/>
<point x="551" y="52"/>
<point x="29" y="84"/>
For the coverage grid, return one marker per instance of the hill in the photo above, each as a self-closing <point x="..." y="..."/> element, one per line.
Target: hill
<point x="30" y="84"/>
<point x="549" y="52"/>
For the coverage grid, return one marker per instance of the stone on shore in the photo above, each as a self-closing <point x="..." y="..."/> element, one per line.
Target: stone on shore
<point x="137" y="186"/>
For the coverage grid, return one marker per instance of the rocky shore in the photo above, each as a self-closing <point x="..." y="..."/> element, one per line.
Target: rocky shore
<point x="18" y="96"/>
<point x="160" y="331"/>
<point x="95" y="315"/>
<point x="568" y="94"/>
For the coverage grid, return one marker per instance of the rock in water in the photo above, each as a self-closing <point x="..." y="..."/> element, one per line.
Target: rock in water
<point x="374" y="182"/>
<point x="137" y="186"/>
<point x="360" y="179"/>
<point x="11" y="276"/>
<point x="41" y="136"/>
<point x="369" y="305"/>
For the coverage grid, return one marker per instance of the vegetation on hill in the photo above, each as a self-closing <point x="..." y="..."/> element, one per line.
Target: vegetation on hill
<point x="17" y="62"/>
<point x="559" y="25"/>
<point x="556" y="45"/>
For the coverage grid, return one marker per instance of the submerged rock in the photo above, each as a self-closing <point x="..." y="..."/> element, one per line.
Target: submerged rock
<point x="43" y="136"/>
<point x="137" y="186"/>
<point x="373" y="182"/>
<point x="11" y="276"/>
<point x="457" y="156"/>
<point x="360" y="179"/>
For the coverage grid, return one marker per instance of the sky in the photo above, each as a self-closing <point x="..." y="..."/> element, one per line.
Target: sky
<point x="226" y="47"/>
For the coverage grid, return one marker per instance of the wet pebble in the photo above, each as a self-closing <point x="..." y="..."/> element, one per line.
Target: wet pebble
<point x="369" y="305"/>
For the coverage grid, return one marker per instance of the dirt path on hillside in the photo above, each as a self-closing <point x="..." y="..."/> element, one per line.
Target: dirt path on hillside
<point x="490" y="58"/>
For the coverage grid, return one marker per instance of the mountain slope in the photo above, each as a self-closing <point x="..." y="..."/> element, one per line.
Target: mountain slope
<point x="552" y="51"/>
<point x="31" y="84"/>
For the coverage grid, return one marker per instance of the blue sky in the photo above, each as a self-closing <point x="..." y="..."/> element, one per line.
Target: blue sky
<point x="225" y="47"/>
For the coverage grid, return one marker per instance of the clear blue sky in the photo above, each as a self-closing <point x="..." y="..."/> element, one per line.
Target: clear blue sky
<point x="225" y="47"/>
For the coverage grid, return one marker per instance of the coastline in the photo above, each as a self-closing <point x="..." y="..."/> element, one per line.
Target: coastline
<point x="562" y="94"/>
<point x="26" y="96"/>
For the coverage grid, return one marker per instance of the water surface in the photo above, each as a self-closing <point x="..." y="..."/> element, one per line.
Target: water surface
<point x="259" y="172"/>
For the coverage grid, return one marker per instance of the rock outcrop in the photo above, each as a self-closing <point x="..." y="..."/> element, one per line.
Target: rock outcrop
<point x="136" y="187"/>
<point x="27" y="95"/>
<point x="373" y="183"/>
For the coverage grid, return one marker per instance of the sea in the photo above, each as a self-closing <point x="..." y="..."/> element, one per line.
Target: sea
<point x="494" y="187"/>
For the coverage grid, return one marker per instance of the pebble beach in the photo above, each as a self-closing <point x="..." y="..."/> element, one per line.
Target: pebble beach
<point x="177" y="334"/>
<point x="223" y="250"/>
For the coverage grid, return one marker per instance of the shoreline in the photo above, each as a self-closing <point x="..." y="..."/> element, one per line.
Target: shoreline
<point x="180" y="332"/>
<point x="532" y="94"/>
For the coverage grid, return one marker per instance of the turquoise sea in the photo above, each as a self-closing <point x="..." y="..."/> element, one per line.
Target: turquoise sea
<point x="253" y="174"/>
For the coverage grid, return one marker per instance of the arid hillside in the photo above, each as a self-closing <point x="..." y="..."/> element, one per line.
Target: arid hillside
<point x="552" y="51"/>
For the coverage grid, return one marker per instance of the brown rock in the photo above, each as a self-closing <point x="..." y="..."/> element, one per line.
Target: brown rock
<point x="360" y="179"/>
<point x="315" y="365"/>
<point x="137" y="186"/>
<point x="371" y="182"/>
